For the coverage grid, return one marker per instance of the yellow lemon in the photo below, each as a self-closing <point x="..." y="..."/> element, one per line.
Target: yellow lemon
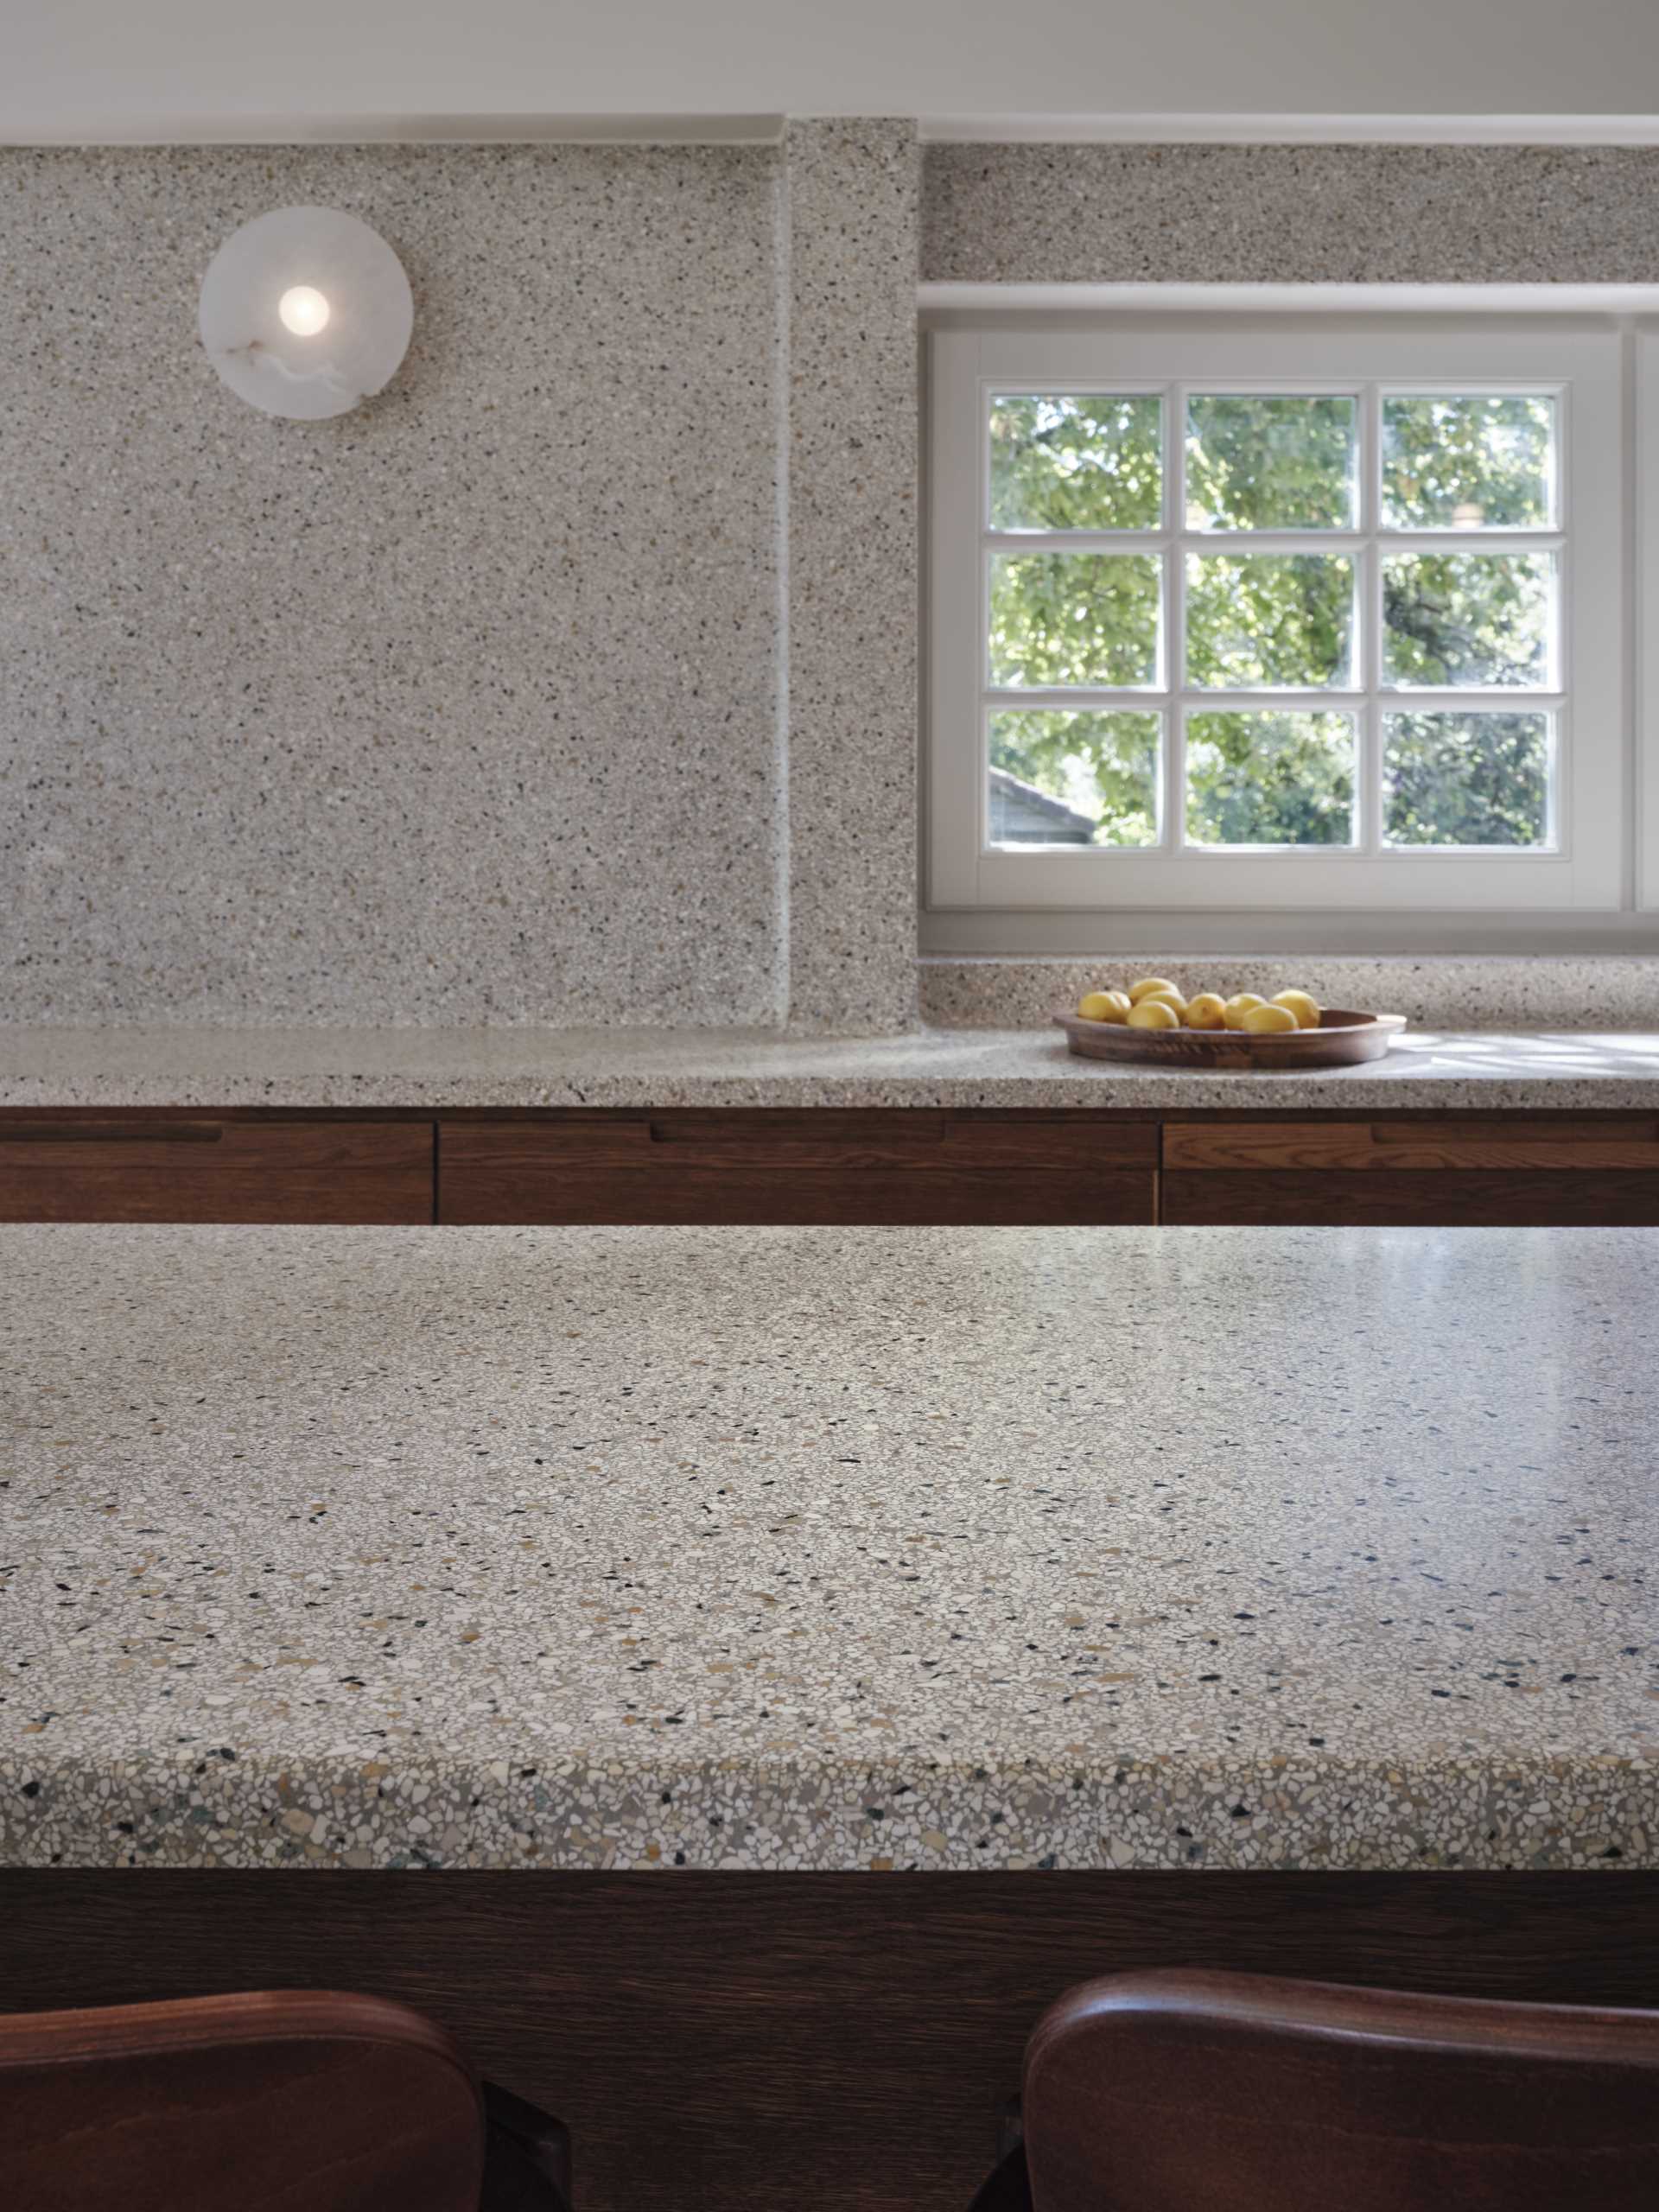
<point x="1301" y="1004"/>
<point x="1171" y="998"/>
<point x="1103" y="1006"/>
<point x="1269" y="1020"/>
<point x="1206" y="1010"/>
<point x="1154" y="1014"/>
<point x="1234" y="1011"/>
<point x="1148" y="985"/>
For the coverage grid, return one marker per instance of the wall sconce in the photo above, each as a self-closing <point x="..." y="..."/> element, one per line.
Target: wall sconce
<point x="305" y="311"/>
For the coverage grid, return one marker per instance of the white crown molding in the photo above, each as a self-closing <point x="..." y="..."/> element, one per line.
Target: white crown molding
<point x="401" y="129"/>
<point x="1293" y="130"/>
<point x="95" y="129"/>
<point x="1353" y="299"/>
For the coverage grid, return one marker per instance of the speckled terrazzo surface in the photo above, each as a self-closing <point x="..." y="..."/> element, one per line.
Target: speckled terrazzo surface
<point x="439" y="1069"/>
<point x="1508" y="993"/>
<point x="853" y="191"/>
<point x="563" y="682"/>
<point x="465" y="703"/>
<point x="1291" y="215"/>
<point x="829" y="1548"/>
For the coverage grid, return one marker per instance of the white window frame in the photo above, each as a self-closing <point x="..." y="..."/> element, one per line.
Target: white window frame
<point x="1579" y="360"/>
<point x="1647" y="602"/>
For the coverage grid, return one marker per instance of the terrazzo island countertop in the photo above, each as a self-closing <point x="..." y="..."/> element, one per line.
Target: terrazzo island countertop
<point x="829" y="1548"/>
<point x="440" y="1070"/>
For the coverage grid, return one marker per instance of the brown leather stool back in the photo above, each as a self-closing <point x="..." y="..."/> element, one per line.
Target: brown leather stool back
<point x="238" y="2104"/>
<point x="1185" y="2091"/>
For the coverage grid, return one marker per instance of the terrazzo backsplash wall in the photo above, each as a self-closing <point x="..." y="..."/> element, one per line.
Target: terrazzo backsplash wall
<point x="573" y="680"/>
<point x="472" y="705"/>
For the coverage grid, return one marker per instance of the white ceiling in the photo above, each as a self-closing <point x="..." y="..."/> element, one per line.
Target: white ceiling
<point x="177" y="68"/>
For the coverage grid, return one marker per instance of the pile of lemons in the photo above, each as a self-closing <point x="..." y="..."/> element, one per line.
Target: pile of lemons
<point x="1153" y="1003"/>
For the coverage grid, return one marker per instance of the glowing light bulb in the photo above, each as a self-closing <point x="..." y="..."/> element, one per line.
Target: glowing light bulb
<point x="303" y="310"/>
<point x="305" y="350"/>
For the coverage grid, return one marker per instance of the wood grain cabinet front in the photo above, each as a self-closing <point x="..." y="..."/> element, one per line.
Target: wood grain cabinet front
<point x="902" y="1167"/>
<point x="1514" y="1170"/>
<point x="198" y="1169"/>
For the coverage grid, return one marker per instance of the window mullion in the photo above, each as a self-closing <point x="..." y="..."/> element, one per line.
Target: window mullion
<point x="1368" y="585"/>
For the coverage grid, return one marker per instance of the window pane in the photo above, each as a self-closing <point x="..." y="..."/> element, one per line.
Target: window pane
<point x="1062" y="778"/>
<point x="1456" y="619"/>
<point x="1269" y="621"/>
<point x="1074" y="617"/>
<point x="1468" y="463"/>
<point x="1256" y="463"/>
<point x="1087" y="461"/>
<point x="1270" y="780"/>
<point x="1466" y="779"/>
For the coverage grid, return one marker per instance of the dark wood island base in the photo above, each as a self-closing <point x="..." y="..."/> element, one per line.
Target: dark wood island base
<point x="746" y="2041"/>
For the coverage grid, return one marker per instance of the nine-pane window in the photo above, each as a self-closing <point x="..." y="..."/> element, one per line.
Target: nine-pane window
<point x="1259" y="620"/>
<point x="1432" y="602"/>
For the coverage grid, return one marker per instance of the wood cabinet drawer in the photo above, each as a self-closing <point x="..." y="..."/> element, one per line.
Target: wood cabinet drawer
<point x="1510" y="1170"/>
<point x="1388" y="1147"/>
<point x="901" y="1168"/>
<point x="72" y="1169"/>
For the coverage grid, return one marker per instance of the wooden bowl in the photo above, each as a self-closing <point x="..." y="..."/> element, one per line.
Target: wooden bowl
<point x="1342" y="1040"/>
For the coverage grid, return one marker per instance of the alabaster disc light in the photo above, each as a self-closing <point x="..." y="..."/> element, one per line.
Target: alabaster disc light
<point x="305" y="311"/>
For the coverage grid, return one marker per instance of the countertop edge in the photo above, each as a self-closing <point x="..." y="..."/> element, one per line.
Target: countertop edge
<point x="1155" y="1096"/>
<point x="1469" y="1810"/>
<point x="47" y="1070"/>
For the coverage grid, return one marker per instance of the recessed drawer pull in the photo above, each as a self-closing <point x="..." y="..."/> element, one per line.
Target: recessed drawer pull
<point x="1422" y="1147"/>
<point x="110" y="1132"/>
<point x="1563" y="1138"/>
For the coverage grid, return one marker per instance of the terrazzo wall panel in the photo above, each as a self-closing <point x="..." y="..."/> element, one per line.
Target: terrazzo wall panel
<point x="1291" y="214"/>
<point x="463" y="707"/>
<point x="854" y="189"/>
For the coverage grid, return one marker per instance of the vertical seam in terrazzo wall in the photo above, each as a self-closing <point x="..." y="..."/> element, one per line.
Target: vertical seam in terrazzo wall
<point x="782" y="262"/>
<point x="1634" y="648"/>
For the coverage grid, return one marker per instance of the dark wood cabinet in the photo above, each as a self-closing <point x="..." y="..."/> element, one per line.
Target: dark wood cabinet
<point x="827" y="2043"/>
<point x="902" y="1166"/>
<point x="898" y="1166"/>
<point x="1512" y="1170"/>
<point x="172" y="1168"/>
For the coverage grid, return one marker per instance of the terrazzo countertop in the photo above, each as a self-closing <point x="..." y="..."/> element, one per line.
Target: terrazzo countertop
<point x="443" y="1068"/>
<point x="829" y="1548"/>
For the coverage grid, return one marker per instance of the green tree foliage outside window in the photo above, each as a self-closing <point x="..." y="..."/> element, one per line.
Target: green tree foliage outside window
<point x="1104" y="766"/>
<point x="1258" y="463"/>
<point x="1074" y="617"/>
<point x="1088" y="461"/>
<point x="1466" y="779"/>
<point x="1467" y="618"/>
<point x="1467" y="463"/>
<point x="1269" y="621"/>
<point x="1270" y="780"/>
